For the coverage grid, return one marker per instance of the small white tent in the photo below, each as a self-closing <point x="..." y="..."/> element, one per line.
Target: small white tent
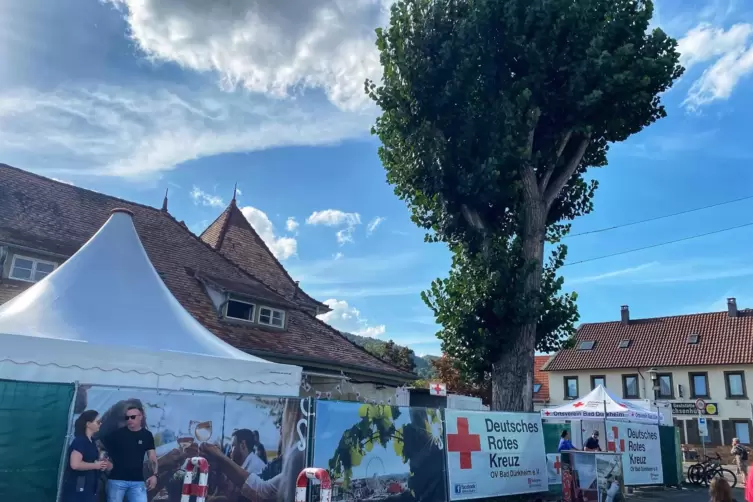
<point x="593" y="405"/>
<point x="105" y="317"/>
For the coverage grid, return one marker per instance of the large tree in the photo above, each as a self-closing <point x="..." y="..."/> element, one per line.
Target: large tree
<point x="492" y="113"/>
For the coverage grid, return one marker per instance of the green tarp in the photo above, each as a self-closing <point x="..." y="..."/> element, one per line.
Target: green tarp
<point x="33" y="428"/>
<point x="552" y="434"/>
<point x="667" y="438"/>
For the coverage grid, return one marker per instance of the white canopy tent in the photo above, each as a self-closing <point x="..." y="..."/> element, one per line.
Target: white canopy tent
<point x="596" y="403"/>
<point x="105" y="317"/>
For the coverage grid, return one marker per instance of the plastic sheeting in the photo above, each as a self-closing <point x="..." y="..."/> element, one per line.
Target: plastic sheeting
<point x="33" y="420"/>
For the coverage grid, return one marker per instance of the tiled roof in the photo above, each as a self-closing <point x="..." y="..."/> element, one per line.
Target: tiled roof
<point x="539" y="377"/>
<point x="46" y="215"/>
<point x="662" y="342"/>
<point x="233" y="236"/>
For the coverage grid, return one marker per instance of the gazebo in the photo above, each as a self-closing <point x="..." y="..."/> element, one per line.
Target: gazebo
<point x="600" y="404"/>
<point x="105" y="317"/>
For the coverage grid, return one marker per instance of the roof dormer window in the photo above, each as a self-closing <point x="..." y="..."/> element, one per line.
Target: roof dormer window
<point x="624" y="344"/>
<point x="589" y="345"/>
<point x="242" y="310"/>
<point x="693" y="339"/>
<point x="272" y="317"/>
<point x="23" y="268"/>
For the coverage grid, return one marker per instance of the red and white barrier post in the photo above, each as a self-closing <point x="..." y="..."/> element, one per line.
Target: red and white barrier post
<point x="198" y="490"/>
<point x="303" y="481"/>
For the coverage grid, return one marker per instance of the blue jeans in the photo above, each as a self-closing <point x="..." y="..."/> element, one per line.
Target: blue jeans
<point x="130" y="491"/>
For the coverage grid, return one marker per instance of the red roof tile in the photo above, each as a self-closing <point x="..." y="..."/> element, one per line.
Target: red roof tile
<point x="57" y="218"/>
<point x="539" y="377"/>
<point x="232" y="235"/>
<point x="662" y="342"/>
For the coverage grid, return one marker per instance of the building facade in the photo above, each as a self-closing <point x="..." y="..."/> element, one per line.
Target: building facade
<point x="226" y="278"/>
<point x="689" y="362"/>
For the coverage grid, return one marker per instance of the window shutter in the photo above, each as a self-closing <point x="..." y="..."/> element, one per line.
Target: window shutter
<point x="715" y="432"/>
<point x="728" y="431"/>
<point x="680" y="426"/>
<point x="693" y="437"/>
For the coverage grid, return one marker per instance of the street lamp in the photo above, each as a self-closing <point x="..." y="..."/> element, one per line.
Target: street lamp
<point x="654" y="382"/>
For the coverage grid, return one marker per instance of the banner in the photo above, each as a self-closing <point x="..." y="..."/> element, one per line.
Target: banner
<point x="609" y="476"/>
<point x="554" y="469"/>
<point x="380" y="452"/>
<point x="641" y="452"/>
<point x="494" y="454"/>
<point x="579" y="477"/>
<point x="253" y="444"/>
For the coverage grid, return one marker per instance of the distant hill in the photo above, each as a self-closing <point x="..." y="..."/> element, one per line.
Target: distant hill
<point x="424" y="369"/>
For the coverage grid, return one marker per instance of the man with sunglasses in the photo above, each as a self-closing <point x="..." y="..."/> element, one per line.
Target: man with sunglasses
<point x="126" y="448"/>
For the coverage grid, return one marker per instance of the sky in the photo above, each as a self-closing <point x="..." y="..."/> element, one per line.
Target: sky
<point x="135" y="97"/>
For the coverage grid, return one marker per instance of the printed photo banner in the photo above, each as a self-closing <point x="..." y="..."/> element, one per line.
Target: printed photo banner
<point x="641" y="452"/>
<point x="380" y="452"/>
<point x="494" y="454"/>
<point x="255" y="446"/>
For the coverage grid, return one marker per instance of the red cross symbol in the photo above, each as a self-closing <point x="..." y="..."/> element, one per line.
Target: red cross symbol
<point x="612" y="445"/>
<point x="578" y="404"/>
<point x="557" y="464"/>
<point x="546" y="413"/>
<point x="438" y="389"/>
<point x="464" y="443"/>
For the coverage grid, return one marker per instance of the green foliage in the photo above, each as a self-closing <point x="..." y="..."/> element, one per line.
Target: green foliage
<point x="395" y="354"/>
<point x="492" y="113"/>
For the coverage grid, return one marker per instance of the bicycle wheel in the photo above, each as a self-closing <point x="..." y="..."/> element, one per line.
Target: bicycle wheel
<point x="725" y="474"/>
<point x="695" y="474"/>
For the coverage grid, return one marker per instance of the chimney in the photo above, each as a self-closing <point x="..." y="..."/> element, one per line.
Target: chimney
<point x="625" y="315"/>
<point x="731" y="307"/>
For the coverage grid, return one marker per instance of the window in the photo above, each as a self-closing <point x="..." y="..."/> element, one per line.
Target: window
<point x="742" y="432"/>
<point x="536" y="387"/>
<point x="272" y="317"/>
<point x="664" y="381"/>
<point x="624" y="344"/>
<point x="586" y="345"/>
<point x="699" y="384"/>
<point x="571" y="387"/>
<point x="598" y="380"/>
<point x="630" y="387"/>
<point x="239" y="309"/>
<point x="693" y="339"/>
<point x="30" y="269"/>
<point x="735" y="383"/>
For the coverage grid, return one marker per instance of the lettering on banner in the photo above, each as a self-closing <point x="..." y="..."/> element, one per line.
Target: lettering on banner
<point x="303" y="422"/>
<point x="637" y="444"/>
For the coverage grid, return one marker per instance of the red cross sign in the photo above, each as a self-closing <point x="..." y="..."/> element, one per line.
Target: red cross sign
<point x="464" y="443"/>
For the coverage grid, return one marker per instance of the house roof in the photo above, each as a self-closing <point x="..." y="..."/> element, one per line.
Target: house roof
<point x="232" y="235"/>
<point x="57" y="218"/>
<point x="539" y="377"/>
<point x="662" y="342"/>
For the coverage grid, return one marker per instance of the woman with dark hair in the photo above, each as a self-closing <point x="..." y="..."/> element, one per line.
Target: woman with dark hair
<point x="83" y="465"/>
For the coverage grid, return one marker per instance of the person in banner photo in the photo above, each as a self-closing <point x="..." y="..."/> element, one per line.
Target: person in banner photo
<point x="257" y="486"/>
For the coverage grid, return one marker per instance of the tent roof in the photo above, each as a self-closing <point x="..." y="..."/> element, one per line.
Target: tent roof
<point x="108" y="299"/>
<point x="592" y="406"/>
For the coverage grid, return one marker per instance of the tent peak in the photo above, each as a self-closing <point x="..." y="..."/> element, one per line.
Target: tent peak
<point x="122" y="210"/>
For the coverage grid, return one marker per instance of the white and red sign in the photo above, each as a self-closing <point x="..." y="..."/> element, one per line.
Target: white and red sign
<point x="554" y="468"/>
<point x="437" y="389"/>
<point x="641" y="452"/>
<point x="494" y="454"/>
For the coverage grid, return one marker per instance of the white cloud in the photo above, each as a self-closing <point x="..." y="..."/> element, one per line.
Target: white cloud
<point x="200" y="197"/>
<point x="282" y="247"/>
<point x="611" y="274"/>
<point x="345" y="318"/>
<point x="732" y="58"/>
<point x="291" y="225"/>
<point x="373" y="224"/>
<point x="270" y="47"/>
<point x="140" y="131"/>
<point x="337" y="256"/>
<point x="337" y="218"/>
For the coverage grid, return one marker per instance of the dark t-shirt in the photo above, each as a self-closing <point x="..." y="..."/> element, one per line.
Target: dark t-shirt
<point x="126" y="449"/>
<point x="593" y="444"/>
<point x="89" y="453"/>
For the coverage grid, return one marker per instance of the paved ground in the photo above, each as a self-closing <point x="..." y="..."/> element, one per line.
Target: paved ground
<point x="693" y="494"/>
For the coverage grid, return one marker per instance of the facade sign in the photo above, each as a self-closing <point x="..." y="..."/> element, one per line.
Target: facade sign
<point x="710" y="409"/>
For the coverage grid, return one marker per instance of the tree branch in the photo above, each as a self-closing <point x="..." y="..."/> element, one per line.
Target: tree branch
<point x="554" y="189"/>
<point x="533" y="123"/>
<point x="544" y="182"/>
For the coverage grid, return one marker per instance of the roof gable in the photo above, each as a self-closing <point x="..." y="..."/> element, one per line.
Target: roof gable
<point x="540" y="378"/>
<point x="57" y="218"/>
<point x="233" y="236"/>
<point x="662" y="342"/>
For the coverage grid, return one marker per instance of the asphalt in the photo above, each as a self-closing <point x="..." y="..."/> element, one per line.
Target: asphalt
<point x="686" y="494"/>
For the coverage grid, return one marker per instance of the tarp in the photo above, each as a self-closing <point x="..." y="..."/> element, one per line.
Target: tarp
<point x="106" y="317"/>
<point x="593" y="405"/>
<point x="33" y="423"/>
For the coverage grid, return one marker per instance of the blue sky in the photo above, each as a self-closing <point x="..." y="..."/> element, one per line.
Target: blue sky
<point x="134" y="97"/>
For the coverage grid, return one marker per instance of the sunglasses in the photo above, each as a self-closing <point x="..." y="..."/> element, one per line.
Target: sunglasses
<point x="132" y="417"/>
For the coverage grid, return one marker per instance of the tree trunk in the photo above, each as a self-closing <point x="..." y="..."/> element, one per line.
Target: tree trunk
<point x="512" y="374"/>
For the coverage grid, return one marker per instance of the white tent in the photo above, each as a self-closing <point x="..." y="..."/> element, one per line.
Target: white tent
<point x="105" y="317"/>
<point x="593" y="405"/>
